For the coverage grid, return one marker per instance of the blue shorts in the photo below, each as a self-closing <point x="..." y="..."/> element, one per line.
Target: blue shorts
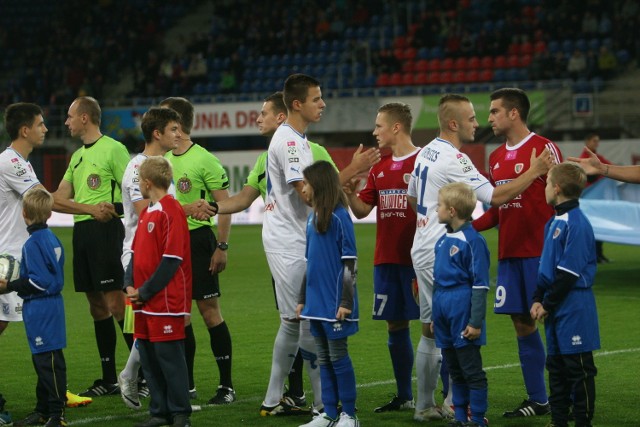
<point x="573" y="327"/>
<point x="517" y="278"/>
<point x="451" y="312"/>
<point x="395" y="292"/>
<point x="332" y="330"/>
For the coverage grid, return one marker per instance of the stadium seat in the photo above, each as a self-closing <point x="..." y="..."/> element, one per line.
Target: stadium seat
<point x="526" y="48"/>
<point x="554" y="47"/>
<point x="410" y="53"/>
<point x="383" y="80"/>
<point x="459" y="76"/>
<point x="472" y="76"/>
<point x="540" y="46"/>
<point x="486" y="62"/>
<point x="567" y="47"/>
<point x="421" y="79"/>
<point x="396" y="79"/>
<point x="513" y="49"/>
<point x="407" y="79"/>
<point x="422" y="65"/>
<point x="473" y="63"/>
<point x="500" y="62"/>
<point x="513" y="61"/>
<point x="486" y="75"/>
<point x="447" y="64"/>
<point x="435" y="64"/>
<point x="525" y="61"/>
<point x="446" y="77"/>
<point x="460" y="64"/>
<point x="423" y="53"/>
<point x="408" y="66"/>
<point x="499" y="75"/>
<point x="434" y="78"/>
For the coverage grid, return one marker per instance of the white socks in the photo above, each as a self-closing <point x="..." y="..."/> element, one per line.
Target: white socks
<point x="428" y="360"/>
<point x="285" y="348"/>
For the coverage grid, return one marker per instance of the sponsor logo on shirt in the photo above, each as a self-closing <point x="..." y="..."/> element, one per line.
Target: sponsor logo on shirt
<point x="496" y="166"/>
<point x="184" y="185"/>
<point x="167" y="329"/>
<point x="380" y="175"/>
<point x="576" y="340"/>
<point x="296" y="170"/>
<point x="395" y="166"/>
<point x="38" y="341"/>
<point x="511" y="155"/>
<point x="392" y="199"/>
<point x="5" y="308"/>
<point x="291" y="143"/>
<point x="337" y="327"/>
<point x="294" y="159"/>
<point x="93" y="181"/>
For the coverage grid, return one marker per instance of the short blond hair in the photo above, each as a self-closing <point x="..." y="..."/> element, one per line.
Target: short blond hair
<point x="570" y="177"/>
<point x="158" y="170"/>
<point x="461" y="197"/>
<point x="37" y="204"/>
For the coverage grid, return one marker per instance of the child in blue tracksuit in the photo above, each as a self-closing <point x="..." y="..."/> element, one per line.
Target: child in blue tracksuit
<point x="40" y="285"/>
<point x="328" y="297"/>
<point x="565" y="301"/>
<point x="461" y="279"/>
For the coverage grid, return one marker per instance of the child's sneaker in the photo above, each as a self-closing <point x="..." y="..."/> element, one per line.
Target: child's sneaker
<point x="320" y="421"/>
<point x="347" y="420"/>
<point x="529" y="408"/>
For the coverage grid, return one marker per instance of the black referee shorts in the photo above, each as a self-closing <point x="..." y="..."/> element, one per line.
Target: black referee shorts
<point x="203" y="245"/>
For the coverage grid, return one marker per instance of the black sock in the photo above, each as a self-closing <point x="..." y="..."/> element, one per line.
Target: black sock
<point x="128" y="337"/>
<point x="295" y="377"/>
<point x="106" y="339"/>
<point x="190" y="353"/>
<point x="221" y="347"/>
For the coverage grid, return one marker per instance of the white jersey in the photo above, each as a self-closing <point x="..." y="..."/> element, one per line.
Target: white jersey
<point x="130" y="195"/>
<point x="16" y="177"/>
<point x="285" y="213"/>
<point x="438" y="164"/>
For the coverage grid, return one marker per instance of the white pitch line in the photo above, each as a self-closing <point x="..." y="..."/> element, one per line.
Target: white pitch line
<point x="85" y="421"/>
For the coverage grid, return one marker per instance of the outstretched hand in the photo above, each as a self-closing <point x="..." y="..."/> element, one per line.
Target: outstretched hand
<point x="542" y="163"/>
<point x="591" y="165"/>
<point x="363" y="160"/>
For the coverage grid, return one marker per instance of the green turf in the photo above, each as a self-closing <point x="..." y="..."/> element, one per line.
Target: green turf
<point x="248" y="307"/>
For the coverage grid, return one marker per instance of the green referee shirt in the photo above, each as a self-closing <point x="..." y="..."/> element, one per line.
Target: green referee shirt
<point x="256" y="178"/>
<point x="95" y="172"/>
<point x="196" y="173"/>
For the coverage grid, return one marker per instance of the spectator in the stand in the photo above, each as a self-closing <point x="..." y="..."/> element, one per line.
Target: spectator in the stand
<point x="577" y="65"/>
<point x="591" y="143"/>
<point x="227" y="82"/>
<point x="589" y="24"/>
<point x="592" y="64"/>
<point x="607" y="62"/>
<point x="559" y="66"/>
<point x="197" y="71"/>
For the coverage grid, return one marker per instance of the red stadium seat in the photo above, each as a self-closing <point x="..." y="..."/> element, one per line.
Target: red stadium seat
<point x="383" y="80"/>
<point x="434" y="78"/>
<point x="398" y="53"/>
<point x="513" y="61"/>
<point x="396" y="79"/>
<point x="460" y="64"/>
<point x="435" y="64"/>
<point x="472" y="76"/>
<point x="486" y="62"/>
<point x="486" y="75"/>
<point x="422" y="65"/>
<point x="525" y="60"/>
<point x="447" y="64"/>
<point x="421" y="79"/>
<point x="407" y="79"/>
<point x="526" y="48"/>
<point x="400" y="42"/>
<point x="540" y="46"/>
<point x="408" y="66"/>
<point x="473" y="63"/>
<point x="446" y="77"/>
<point x="459" y="77"/>
<point x="513" y="49"/>
<point x="500" y="62"/>
<point x="410" y="53"/>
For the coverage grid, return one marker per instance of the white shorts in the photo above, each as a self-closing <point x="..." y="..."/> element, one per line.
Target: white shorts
<point x="288" y="270"/>
<point x="425" y="287"/>
<point x="11" y="307"/>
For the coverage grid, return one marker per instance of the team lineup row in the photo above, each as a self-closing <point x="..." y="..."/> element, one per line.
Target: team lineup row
<point x="97" y="171"/>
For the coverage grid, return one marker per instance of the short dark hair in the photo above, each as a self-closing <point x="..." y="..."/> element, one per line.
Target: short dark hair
<point x="18" y="115"/>
<point x="157" y="119"/>
<point x="277" y="99"/>
<point x="296" y="87"/>
<point x="399" y="112"/>
<point x="89" y="106"/>
<point x="514" y="98"/>
<point x="184" y="108"/>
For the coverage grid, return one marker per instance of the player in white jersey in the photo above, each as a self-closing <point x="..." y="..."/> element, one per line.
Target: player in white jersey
<point x="284" y="227"/>
<point x="438" y="163"/>
<point x="27" y="130"/>
<point x="161" y="131"/>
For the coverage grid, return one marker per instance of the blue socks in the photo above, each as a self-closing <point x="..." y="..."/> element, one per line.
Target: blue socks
<point x="346" y="380"/>
<point x="401" y="351"/>
<point x="532" y="360"/>
<point x="329" y="384"/>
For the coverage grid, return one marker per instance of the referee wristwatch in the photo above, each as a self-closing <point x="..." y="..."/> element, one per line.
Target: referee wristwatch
<point x="223" y="246"/>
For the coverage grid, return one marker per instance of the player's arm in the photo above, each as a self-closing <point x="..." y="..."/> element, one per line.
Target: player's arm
<point x="158" y="281"/>
<point x="593" y="166"/>
<point x="360" y="162"/>
<point x="539" y="166"/>
<point x="62" y="203"/>
<point x="219" y="258"/>
<point x="238" y="202"/>
<point x="302" y="296"/>
<point x="413" y="202"/>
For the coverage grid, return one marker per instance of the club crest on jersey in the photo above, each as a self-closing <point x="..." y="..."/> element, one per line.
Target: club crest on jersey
<point x="557" y="232"/>
<point x="94" y="181"/>
<point x="519" y="167"/>
<point x="453" y="250"/>
<point x="406" y="178"/>
<point x="151" y="226"/>
<point x="184" y="185"/>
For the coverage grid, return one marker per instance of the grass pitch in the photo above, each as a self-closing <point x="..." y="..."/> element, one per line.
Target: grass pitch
<point x="249" y="309"/>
